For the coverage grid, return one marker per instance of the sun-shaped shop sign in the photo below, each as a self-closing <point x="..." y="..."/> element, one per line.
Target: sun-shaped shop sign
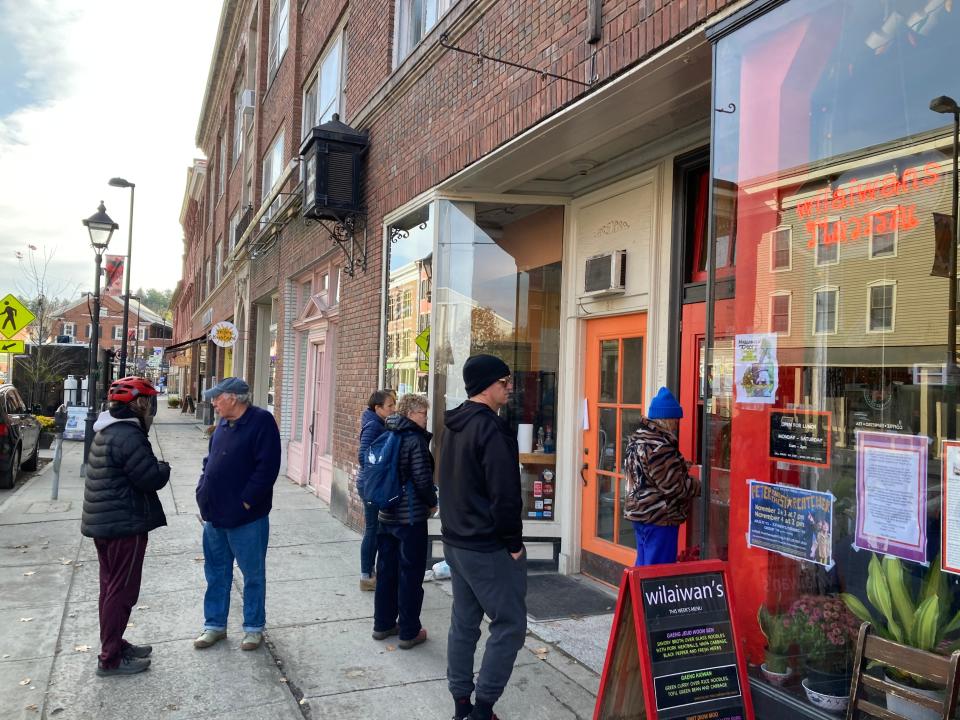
<point x="224" y="334"/>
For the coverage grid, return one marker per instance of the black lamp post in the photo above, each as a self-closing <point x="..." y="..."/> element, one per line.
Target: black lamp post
<point x="100" y="227"/>
<point x="948" y="106"/>
<point x="121" y="183"/>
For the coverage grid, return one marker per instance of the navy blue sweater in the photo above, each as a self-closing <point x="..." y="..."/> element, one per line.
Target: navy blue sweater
<point x="242" y="464"/>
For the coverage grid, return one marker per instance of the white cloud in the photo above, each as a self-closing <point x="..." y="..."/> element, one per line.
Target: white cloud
<point x="119" y="85"/>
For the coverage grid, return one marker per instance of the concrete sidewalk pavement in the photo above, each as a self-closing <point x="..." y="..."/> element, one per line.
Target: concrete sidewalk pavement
<point x="319" y="660"/>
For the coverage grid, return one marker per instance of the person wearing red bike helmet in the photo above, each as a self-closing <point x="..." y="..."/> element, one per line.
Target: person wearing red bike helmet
<point x="120" y="506"/>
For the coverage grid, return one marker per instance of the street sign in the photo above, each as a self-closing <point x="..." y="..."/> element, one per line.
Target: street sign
<point x="14" y="316"/>
<point x="13" y="346"/>
<point x="422" y="341"/>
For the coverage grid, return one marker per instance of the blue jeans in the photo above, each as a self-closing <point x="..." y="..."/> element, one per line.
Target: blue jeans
<point x="368" y="546"/>
<point x="401" y="562"/>
<point x="248" y="545"/>
<point x="656" y="544"/>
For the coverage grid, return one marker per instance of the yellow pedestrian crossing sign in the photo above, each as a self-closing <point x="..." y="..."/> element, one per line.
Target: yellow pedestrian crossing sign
<point x="14" y="316"/>
<point x="422" y="340"/>
<point x="18" y="347"/>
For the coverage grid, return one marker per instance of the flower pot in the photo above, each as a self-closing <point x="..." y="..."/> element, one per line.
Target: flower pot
<point x="776" y="678"/>
<point x="909" y="709"/>
<point x="46" y="440"/>
<point x="831" y="703"/>
<point x="828" y="683"/>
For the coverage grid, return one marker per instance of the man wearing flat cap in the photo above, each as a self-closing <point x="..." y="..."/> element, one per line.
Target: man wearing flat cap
<point x="480" y="520"/>
<point x="235" y="494"/>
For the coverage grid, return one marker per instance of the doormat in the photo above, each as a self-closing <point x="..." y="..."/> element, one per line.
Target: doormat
<point x="552" y="597"/>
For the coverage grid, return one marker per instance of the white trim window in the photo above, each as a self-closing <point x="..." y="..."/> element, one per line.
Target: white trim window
<point x="238" y="122"/>
<point x="781" y="249"/>
<point x="780" y="306"/>
<point x="826" y="302"/>
<point x="218" y="268"/>
<point x="414" y="18"/>
<point x="272" y="170"/>
<point x="232" y="231"/>
<point x="279" y="35"/>
<point x="118" y="332"/>
<point x="209" y="277"/>
<point x="883" y="233"/>
<point x="881" y="306"/>
<point x="70" y="329"/>
<point x="222" y="167"/>
<point x="828" y="242"/>
<point x="323" y="95"/>
<point x="143" y="333"/>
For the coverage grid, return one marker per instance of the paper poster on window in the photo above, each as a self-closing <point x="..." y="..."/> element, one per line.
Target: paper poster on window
<point x="892" y="494"/>
<point x="791" y="521"/>
<point x="950" y="507"/>
<point x="755" y="368"/>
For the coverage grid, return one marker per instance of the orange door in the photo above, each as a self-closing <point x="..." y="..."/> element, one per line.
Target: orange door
<point x="614" y="382"/>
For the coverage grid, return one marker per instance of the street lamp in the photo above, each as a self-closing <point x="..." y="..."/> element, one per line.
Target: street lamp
<point x="101" y="227"/>
<point x="948" y="106"/>
<point x="121" y="183"/>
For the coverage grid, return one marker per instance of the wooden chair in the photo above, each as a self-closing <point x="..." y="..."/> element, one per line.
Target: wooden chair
<point x="938" y="669"/>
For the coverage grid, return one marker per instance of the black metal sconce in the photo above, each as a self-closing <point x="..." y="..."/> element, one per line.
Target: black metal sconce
<point x="333" y="162"/>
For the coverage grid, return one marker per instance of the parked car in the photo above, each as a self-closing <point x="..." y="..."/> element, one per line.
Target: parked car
<point x="19" y="437"/>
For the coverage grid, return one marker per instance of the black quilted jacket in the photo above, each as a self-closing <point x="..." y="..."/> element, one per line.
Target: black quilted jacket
<point x="123" y="476"/>
<point x="416" y="466"/>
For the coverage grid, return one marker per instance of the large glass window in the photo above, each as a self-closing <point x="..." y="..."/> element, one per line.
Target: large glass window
<point x="279" y="34"/>
<point x="838" y="434"/>
<point x="497" y="291"/>
<point x="414" y="20"/>
<point x="321" y="98"/>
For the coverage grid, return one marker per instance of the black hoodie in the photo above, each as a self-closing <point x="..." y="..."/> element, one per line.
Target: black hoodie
<point x="480" y="501"/>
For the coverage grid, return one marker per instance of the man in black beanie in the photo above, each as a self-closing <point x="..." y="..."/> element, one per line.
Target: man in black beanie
<point x="480" y="520"/>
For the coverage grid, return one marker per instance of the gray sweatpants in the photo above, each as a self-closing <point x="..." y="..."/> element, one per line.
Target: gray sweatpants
<point x="492" y="583"/>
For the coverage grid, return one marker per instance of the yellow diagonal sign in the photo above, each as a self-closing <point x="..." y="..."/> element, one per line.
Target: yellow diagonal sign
<point x="12" y="346"/>
<point x="14" y="316"/>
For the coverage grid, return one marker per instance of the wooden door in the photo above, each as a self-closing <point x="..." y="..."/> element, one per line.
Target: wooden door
<point x="615" y="391"/>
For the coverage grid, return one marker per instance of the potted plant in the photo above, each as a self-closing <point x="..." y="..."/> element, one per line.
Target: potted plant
<point x="825" y="633"/>
<point x="779" y="631"/>
<point x="920" y="620"/>
<point x="173" y="401"/>
<point x="46" y="431"/>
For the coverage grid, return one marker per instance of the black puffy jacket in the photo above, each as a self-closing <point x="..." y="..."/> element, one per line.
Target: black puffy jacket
<point x="416" y="467"/>
<point x="123" y="476"/>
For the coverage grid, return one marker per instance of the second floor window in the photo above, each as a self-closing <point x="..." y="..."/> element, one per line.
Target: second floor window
<point x="414" y="20"/>
<point x="118" y="332"/>
<point x="232" y="231"/>
<point x="279" y="22"/>
<point x="780" y="314"/>
<point x="881" y="307"/>
<point x="272" y="169"/>
<point x="780" y="250"/>
<point x="825" y="311"/>
<point x="321" y="98"/>
<point x="70" y="329"/>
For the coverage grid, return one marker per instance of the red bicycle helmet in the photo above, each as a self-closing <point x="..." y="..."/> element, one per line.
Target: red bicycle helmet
<point x="128" y="389"/>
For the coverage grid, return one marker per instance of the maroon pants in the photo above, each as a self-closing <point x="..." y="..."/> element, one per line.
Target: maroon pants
<point x="121" y="563"/>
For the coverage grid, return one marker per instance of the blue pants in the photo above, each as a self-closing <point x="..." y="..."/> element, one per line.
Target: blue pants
<point x="656" y="544"/>
<point x="247" y="545"/>
<point x="401" y="562"/>
<point x="368" y="546"/>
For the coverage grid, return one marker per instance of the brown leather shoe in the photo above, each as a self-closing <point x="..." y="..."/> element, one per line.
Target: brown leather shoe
<point x="413" y="642"/>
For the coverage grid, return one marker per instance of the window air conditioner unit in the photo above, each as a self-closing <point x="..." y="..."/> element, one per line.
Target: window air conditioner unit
<point x="605" y="274"/>
<point x="246" y="102"/>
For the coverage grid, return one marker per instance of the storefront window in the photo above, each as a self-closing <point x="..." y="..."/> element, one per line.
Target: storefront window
<point x="827" y="445"/>
<point x="272" y="368"/>
<point x="497" y="291"/>
<point x="408" y="304"/>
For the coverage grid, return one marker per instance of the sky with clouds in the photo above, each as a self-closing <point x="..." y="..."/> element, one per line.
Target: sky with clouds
<point x="89" y="90"/>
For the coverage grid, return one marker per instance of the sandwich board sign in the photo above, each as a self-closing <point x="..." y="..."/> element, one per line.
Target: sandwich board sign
<point x="674" y="653"/>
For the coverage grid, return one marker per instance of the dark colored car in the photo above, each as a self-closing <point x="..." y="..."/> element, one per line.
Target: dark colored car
<point x="19" y="437"/>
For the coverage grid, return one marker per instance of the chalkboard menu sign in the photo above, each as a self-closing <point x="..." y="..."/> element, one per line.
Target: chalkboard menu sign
<point x="677" y="657"/>
<point x="800" y="436"/>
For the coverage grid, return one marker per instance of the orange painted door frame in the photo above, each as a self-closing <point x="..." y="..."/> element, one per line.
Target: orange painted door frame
<point x="615" y="389"/>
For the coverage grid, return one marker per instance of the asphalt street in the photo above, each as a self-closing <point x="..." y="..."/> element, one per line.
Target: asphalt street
<point x="319" y="660"/>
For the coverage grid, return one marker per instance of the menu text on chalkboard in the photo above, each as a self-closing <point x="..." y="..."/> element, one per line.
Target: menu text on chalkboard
<point x="691" y="649"/>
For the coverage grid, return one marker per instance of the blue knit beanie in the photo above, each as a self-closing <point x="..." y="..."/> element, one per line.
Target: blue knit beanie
<point x="664" y="406"/>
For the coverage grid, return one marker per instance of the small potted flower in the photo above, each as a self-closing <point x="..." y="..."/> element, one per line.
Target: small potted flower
<point x="779" y="630"/>
<point x="46" y="431"/>
<point x="825" y="632"/>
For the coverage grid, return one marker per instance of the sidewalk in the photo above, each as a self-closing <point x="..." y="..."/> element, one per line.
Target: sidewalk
<point x="319" y="660"/>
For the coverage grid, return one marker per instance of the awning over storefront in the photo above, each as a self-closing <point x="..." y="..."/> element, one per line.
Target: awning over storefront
<point x="183" y="345"/>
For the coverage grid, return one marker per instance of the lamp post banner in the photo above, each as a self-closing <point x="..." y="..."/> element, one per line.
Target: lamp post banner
<point x="114" y="274"/>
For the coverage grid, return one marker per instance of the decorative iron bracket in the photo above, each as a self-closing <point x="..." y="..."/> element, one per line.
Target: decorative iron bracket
<point x="483" y="56"/>
<point x="345" y="234"/>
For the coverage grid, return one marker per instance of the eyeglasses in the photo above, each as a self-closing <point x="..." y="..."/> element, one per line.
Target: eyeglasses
<point x="506" y="382"/>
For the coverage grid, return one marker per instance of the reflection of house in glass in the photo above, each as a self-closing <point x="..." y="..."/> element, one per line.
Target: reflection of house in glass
<point x="845" y="244"/>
